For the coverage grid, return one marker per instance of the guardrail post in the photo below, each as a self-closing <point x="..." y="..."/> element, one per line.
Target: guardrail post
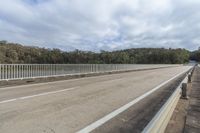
<point x="189" y="78"/>
<point x="184" y="91"/>
<point x="192" y="71"/>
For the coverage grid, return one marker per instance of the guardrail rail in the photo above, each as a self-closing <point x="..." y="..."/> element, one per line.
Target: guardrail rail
<point x="160" y="121"/>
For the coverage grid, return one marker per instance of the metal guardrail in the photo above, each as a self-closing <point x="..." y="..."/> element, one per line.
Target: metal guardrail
<point x="160" y="121"/>
<point x="24" y="71"/>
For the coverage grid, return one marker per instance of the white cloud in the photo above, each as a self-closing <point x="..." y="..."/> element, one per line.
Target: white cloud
<point x="101" y="24"/>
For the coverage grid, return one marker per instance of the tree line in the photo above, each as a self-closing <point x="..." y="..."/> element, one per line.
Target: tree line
<point x="17" y="53"/>
<point x="195" y="55"/>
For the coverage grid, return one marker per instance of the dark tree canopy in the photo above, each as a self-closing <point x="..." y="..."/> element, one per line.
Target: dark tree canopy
<point x="16" y="53"/>
<point x="195" y="55"/>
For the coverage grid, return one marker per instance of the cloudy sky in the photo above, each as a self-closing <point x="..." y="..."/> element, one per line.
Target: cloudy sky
<point x="101" y="24"/>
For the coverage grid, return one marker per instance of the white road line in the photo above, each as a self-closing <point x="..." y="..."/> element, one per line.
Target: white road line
<point x="6" y="101"/>
<point x="46" y="93"/>
<point x="37" y="95"/>
<point x="52" y="82"/>
<point x="111" y="115"/>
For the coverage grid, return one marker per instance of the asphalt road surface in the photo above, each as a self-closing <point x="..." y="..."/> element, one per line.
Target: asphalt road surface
<point x="71" y="105"/>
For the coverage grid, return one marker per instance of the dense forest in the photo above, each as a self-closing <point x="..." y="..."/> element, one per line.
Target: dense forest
<point x="195" y="55"/>
<point x="16" y="53"/>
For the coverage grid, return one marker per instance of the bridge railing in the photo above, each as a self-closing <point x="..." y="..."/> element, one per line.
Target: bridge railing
<point x="23" y="71"/>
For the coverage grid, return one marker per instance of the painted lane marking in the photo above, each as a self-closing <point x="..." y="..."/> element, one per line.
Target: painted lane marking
<point x="46" y="93"/>
<point x="111" y="115"/>
<point x="37" y="95"/>
<point x="6" y="101"/>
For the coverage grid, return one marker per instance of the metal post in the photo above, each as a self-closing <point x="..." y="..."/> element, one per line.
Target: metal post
<point x="6" y="72"/>
<point x="184" y="91"/>
<point x="0" y="72"/>
<point x="22" y="71"/>
<point x="189" y="78"/>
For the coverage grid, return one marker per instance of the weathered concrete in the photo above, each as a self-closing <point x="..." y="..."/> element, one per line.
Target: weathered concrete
<point x="68" y="111"/>
<point x="7" y="83"/>
<point x="177" y="122"/>
<point x="186" y="117"/>
<point x="136" y="118"/>
<point x="192" y="124"/>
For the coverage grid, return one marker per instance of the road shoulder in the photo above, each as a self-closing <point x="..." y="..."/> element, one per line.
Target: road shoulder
<point x="186" y="117"/>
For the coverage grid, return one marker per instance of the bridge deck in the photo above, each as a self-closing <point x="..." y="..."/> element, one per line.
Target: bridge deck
<point x="68" y="106"/>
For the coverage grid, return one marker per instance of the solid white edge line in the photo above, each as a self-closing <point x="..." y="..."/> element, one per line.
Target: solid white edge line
<point x="36" y="95"/>
<point x="151" y="126"/>
<point x="111" y="115"/>
<point x="6" y="101"/>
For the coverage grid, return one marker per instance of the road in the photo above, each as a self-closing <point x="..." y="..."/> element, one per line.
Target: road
<point x="71" y="105"/>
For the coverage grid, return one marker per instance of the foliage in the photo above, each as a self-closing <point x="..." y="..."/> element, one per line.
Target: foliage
<point x="195" y="55"/>
<point x="16" y="53"/>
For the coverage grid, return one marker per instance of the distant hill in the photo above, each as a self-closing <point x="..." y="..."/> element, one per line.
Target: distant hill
<point x="17" y="53"/>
